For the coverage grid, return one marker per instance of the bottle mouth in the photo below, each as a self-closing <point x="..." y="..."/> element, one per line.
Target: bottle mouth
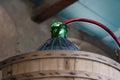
<point x="58" y="29"/>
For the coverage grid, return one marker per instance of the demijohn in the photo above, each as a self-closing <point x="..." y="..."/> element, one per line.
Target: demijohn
<point x="58" y="40"/>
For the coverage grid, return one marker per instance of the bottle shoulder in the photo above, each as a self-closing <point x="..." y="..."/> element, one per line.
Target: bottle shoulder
<point x="58" y="44"/>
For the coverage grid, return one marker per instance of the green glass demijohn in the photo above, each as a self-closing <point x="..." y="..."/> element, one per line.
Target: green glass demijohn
<point x="58" y="40"/>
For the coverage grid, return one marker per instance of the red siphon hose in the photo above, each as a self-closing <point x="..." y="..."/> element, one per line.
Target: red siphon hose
<point x="96" y="23"/>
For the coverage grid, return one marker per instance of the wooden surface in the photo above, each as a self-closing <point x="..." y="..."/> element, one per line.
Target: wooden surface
<point x="57" y="64"/>
<point x="45" y="10"/>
